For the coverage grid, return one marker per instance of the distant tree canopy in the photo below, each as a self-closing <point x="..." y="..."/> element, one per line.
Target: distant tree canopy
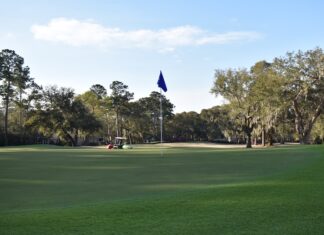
<point x="63" y="116"/>
<point x="266" y="97"/>
<point x="15" y="83"/>
<point x="271" y="102"/>
<point x="303" y="88"/>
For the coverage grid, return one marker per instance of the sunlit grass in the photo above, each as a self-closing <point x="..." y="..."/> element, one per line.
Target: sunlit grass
<point x="62" y="190"/>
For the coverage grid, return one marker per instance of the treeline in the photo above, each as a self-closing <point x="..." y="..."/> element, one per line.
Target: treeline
<point x="278" y="99"/>
<point x="272" y="102"/>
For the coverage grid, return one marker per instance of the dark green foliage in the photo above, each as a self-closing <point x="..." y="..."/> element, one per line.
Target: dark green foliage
<point x="63" y="116"/>
<point x="99" y="90"/>
<point x="187" y="126"/>
<point x="18" y="91"/>
<point x="11" y="77"/>
<point x="218" y="124"/>
<point x="235" y="86"/>
<point x="265" y="100"/>
<point x="120" y="96"/>
<point x="149" y="112"/>
<point x="303" y="73"/>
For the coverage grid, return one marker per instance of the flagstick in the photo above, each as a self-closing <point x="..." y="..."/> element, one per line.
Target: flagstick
<point x="161" y="121"/>
<point x="162" y="85"/>
<point x="161" y="117"/>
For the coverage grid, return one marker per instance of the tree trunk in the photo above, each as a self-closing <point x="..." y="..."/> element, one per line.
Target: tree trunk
<point x="69" y="138"/>
<point x="263" y="136"/>
<point x="117" y="128"/>
<point x="21" y="126"/>
<point x="248" y="128"/>
<point x="249" y="141"/>
<point x="20" y="108"/>
<point x="270" y="137"/>
<point x="76" y="137"/>
<point x="270" y="141"/>
<point x="303" y="128"/>
<point x="305" y="138"/>
<point x="73" y="144"/>
<point x="6" y="121"/>
<point x="108" y="132"/>
<point x="304" y="132"/>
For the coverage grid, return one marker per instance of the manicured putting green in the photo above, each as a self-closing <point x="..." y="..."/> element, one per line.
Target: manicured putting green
<point x="56" y="190"/>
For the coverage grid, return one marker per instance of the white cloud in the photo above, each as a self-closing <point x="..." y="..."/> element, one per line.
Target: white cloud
<point x="229" y="38"/>
<point x="8" y="35"/>
<point x="84" y="33"/>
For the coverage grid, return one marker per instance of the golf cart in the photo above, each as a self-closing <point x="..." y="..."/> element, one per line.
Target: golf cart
<point x="121" y="143"/>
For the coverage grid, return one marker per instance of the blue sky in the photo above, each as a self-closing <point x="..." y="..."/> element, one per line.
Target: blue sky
<point x="80" y="43"/>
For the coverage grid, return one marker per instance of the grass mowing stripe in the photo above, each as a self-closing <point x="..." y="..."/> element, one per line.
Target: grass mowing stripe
<point x="228" y="192"/>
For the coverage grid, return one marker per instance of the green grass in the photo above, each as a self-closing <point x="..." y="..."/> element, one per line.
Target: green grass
<point x="52" y="190"/>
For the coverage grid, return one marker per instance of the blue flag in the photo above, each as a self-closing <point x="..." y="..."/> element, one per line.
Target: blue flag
<point x="161" y="82"/>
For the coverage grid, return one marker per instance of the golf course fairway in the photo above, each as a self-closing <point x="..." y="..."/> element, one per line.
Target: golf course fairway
<point x="63" y="190"/>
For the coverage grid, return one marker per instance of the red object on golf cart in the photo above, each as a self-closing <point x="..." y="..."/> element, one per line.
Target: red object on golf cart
<point x="110" y="146"/>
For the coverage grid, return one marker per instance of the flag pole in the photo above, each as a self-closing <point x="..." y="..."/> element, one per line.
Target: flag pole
<point x="162" y="85"/>
<point x="161" y="116"/>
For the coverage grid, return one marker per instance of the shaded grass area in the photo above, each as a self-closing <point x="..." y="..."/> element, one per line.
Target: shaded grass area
<point x="142" y="191"/>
